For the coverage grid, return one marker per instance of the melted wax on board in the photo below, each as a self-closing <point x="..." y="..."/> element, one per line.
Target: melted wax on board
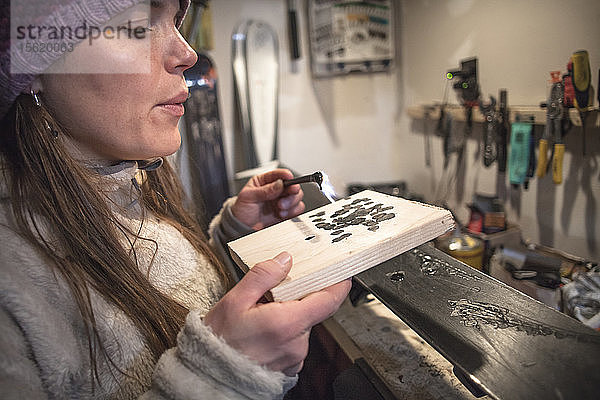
<point x="435" y="267"/>
<point x="359" y="212"/>
<point x="475" y="313"/>
<point x="396" y="276"/>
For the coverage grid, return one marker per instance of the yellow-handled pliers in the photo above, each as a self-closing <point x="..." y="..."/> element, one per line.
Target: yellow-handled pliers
<point x="553" y="131"/>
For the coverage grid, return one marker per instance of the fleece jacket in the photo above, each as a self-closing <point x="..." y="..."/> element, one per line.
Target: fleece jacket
<point x="43" y="345"/>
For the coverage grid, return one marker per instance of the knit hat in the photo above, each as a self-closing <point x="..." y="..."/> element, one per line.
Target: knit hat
<point x="63" y="13"/>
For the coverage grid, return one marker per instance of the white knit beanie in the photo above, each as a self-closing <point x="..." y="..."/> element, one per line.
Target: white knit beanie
<point x="65" y="13"/>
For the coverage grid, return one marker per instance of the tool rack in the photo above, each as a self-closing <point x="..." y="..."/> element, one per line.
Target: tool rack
<point x="432" y="111"/>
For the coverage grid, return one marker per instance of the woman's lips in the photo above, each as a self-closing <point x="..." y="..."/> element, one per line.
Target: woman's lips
<point x="176" y="109"/>
<point x="174" y="105"/>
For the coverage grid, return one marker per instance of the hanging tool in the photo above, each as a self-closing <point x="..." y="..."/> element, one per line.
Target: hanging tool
<point x="490" y="133"/>
<point x="531" y="159"/>
<point x="546" y="137"/>
<point x="584" y="92"/>
<point x="557" y="126"/>
<point x="293" y="30"/>
<point x="569" y="91"/>
<point x="567" y="101"/>
<point x="427" y="114"/>
<point x="518" y="161"/>
<point x="467" y="88"/>
<point x="444" y="127"/>
<point x="503" y="126"/>
<point x="466" y="85"/>
<point x="552" y="131"/>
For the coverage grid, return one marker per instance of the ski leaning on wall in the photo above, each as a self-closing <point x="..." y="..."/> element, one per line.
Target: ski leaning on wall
<point x="256" y="82"/>
<point x="203" y="137"/>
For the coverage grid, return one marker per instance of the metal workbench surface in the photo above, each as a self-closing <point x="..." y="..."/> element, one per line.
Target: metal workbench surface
<point x="511" y="345"/>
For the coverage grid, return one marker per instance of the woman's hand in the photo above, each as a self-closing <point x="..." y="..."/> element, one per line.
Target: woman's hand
<point x="264" y="200"/>
<point x="273" y="334"/>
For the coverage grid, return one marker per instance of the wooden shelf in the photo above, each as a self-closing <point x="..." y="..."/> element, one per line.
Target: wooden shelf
<point x="458" y="113"/>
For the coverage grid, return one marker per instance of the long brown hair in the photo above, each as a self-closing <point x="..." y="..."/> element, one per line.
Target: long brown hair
<point x="51" y="190"/>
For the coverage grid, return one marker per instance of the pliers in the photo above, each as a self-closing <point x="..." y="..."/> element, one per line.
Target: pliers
<point x="553" y="131"/>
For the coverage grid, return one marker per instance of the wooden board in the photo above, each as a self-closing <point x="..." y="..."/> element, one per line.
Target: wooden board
<point x="339" y="240"/>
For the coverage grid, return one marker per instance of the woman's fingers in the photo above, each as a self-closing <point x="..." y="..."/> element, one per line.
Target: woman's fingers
<point x="318" y="306"/>
<point x="274" y="334"/>
<point x="265" y="200"/>
<point x="256" y="194"/>
<point x="273" y="175"/>
<point x="291" y="205"/>
<point x="290" y="201"/>
<point x="260" y="279"/>
<point x="297" y="210"/>
<point x="304" y="314"/>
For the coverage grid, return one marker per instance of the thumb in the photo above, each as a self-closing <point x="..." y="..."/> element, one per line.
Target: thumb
<point x="267" y="192"/>
<point x="261" y="278"/>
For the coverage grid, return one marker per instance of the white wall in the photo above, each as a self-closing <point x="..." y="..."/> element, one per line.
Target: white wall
<point x="356" y="128"/>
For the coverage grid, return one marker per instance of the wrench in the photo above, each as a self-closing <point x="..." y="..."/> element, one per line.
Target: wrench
<point x="491" y="129"/>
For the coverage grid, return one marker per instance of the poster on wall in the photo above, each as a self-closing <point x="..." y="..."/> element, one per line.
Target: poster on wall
<point x="350" y="36"/>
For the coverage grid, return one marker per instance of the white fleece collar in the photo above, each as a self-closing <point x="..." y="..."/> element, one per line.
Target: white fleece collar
<point x="117" y="182"/>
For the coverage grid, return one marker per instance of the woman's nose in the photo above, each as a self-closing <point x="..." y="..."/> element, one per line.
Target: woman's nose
<point x="181" y="55"/>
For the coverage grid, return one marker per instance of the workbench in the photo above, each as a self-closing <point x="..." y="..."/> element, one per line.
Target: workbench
<point x="495" y="339"/>
<point x="439" y="326"/>
<point x="408" y="366"/>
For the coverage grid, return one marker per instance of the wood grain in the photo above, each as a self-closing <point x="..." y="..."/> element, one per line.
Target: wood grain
<point x="380" y="227"/>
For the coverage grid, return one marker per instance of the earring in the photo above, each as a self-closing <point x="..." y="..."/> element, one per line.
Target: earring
<point x="38" y="103"/>
<point x="35" y="98"/>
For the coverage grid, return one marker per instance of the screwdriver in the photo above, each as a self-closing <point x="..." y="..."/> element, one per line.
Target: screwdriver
<point x="584" y="97"/>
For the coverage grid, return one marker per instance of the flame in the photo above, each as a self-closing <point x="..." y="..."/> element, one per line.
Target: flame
<point x="327" y="188"/>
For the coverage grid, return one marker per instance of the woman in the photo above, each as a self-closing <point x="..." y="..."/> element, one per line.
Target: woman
<point x="109" y="289"/>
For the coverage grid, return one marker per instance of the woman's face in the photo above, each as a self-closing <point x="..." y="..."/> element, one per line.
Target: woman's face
<point x="125" y="116"/>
